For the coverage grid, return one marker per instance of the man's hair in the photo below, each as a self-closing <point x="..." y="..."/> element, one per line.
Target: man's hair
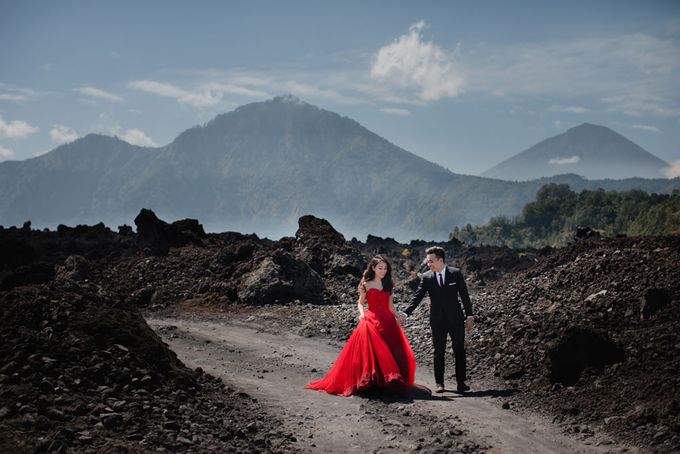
<point x="438" y="251"/>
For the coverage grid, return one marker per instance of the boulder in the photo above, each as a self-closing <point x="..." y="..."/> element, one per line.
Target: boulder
<point x="653" y="300"/>
<point x="75" y="268"/>
<point x="279" y="277"/>
<point x="577" y="349"/>
<point x="585" y="232"/>
<point x="325" y="250"/>
<point x="381" y="245"/>
<point x="125" y="230"/>
<point x="313" y="230"/>
<point x="159" y="236"/>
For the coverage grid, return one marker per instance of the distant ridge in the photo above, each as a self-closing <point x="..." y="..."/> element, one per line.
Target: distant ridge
<point x="258" y="169"/>
<point x="592" y="151"/>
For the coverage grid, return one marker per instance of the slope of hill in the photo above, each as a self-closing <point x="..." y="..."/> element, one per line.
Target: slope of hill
<point x="258" y="169"/>
<point x="592" y="151"/>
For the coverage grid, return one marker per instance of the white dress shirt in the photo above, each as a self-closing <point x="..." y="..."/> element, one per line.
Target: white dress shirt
<point x="443" y="275"/>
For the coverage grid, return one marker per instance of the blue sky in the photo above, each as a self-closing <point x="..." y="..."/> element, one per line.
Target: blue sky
<point x="464" y="84"/>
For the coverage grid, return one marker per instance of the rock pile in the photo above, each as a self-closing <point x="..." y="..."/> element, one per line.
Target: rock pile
<point x="30" y="256"/>
<point x="579" y="349"/>
<point x="82" y="372"/>
<point x="591" y="331"/>
<point x="587" y="333"/>
<point x="316" y="267"/>
<point x="159" y="236"/>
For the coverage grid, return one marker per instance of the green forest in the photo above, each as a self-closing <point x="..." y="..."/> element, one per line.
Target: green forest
<point x="552" y="219"/>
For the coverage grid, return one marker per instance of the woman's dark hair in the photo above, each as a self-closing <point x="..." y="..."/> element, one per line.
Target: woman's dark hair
<point x="369" y="273"/>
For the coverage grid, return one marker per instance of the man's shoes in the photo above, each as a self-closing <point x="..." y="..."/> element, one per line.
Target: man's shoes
<point x="462" y="387"/>
<point x="439" y="388"/>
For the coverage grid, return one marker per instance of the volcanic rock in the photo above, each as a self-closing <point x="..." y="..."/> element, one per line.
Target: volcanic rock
<point x="75" y="268"/>
<point x="325" y="249"/>
<point x="280" y="277"/>
<point x="159" y="236"/>
<point x="578" y="349"/>
<point x="585" y="232"/>
<point x="653" y="301"/>
<point x="32" y="273"/>
<point x="80" y="359"/>
<point x="314" y="230"/>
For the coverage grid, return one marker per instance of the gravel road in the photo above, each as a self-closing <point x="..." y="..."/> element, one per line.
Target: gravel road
<point x="273" y="366"/>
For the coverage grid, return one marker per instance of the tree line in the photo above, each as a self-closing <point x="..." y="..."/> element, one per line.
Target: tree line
<point x="552" y="219"/>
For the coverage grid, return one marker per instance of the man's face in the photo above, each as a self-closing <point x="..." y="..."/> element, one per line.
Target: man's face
<point x="435" y="263"/>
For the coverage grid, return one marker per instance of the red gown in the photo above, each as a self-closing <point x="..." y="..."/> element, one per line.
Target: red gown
<point x="377" y="353"/>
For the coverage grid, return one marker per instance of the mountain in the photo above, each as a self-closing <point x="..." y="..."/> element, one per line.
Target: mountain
<point x="591" y="151"/>
<point x="258" y="169"/>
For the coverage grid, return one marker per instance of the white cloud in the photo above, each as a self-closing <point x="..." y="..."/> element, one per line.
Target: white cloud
<point x="564" y="161"/>
<point x="16" y="129"/>
<point x="640" y="104"/>
<point x="341" y="86"/>
<point x="309" y="90"/>
<point x="633" y="74"/>
<point x="233" y="89"/>
<point x="646" y="128"/>
<point x="62" y="134"/>
<point x="11" y="97"/>
<point x="205" y="95"/>
<point x="17" y="94"/>
<point x="137" y="137"/>
<point x="205" y="98"/>
<point x="673" y="170"/>
<point x="89" y="101"/>
<point x="94" y="92"/>
<point x="6" y="153"/>
<point x="569" y="109"/>
<point x="395" y="111"/>
<point x="411" y="63"/>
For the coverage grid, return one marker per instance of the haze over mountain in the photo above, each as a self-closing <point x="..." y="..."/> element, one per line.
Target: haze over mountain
<point x="592" y="151"/>
<point x="257" y="169"/>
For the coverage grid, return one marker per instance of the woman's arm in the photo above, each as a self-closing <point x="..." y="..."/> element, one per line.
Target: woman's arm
<point x="401" y="318"/>
<point x="362" y="298"/>
<point x="394" y="311"/>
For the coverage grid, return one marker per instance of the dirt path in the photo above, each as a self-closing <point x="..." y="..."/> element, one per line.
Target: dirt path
<point x="274" y="367"/>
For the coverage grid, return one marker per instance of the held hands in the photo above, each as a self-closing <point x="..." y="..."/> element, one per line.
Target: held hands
<point x="401" y="318"/>
<point x="469" y="324"/>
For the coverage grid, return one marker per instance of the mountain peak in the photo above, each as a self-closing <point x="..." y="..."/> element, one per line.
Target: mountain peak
<point x="289" y="99"/>
<point x="590" y="150"/>
<point x="588" y="127"/>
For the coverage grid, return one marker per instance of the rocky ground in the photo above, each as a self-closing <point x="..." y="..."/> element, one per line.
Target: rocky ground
<point x="80" y="372"/>
<point x="586" y="334"/>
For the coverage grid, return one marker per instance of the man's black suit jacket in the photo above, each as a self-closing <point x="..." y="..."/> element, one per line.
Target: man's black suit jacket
<point x="444" y="304"/>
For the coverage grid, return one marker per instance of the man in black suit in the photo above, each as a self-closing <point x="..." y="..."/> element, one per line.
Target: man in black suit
<point x="443" y="284"/>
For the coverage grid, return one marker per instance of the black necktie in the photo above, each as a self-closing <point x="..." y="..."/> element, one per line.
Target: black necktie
<point x="441" y="280"/>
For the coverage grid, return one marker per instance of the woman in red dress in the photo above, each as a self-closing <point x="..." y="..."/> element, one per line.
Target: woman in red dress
<point x="377" y="353"/>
